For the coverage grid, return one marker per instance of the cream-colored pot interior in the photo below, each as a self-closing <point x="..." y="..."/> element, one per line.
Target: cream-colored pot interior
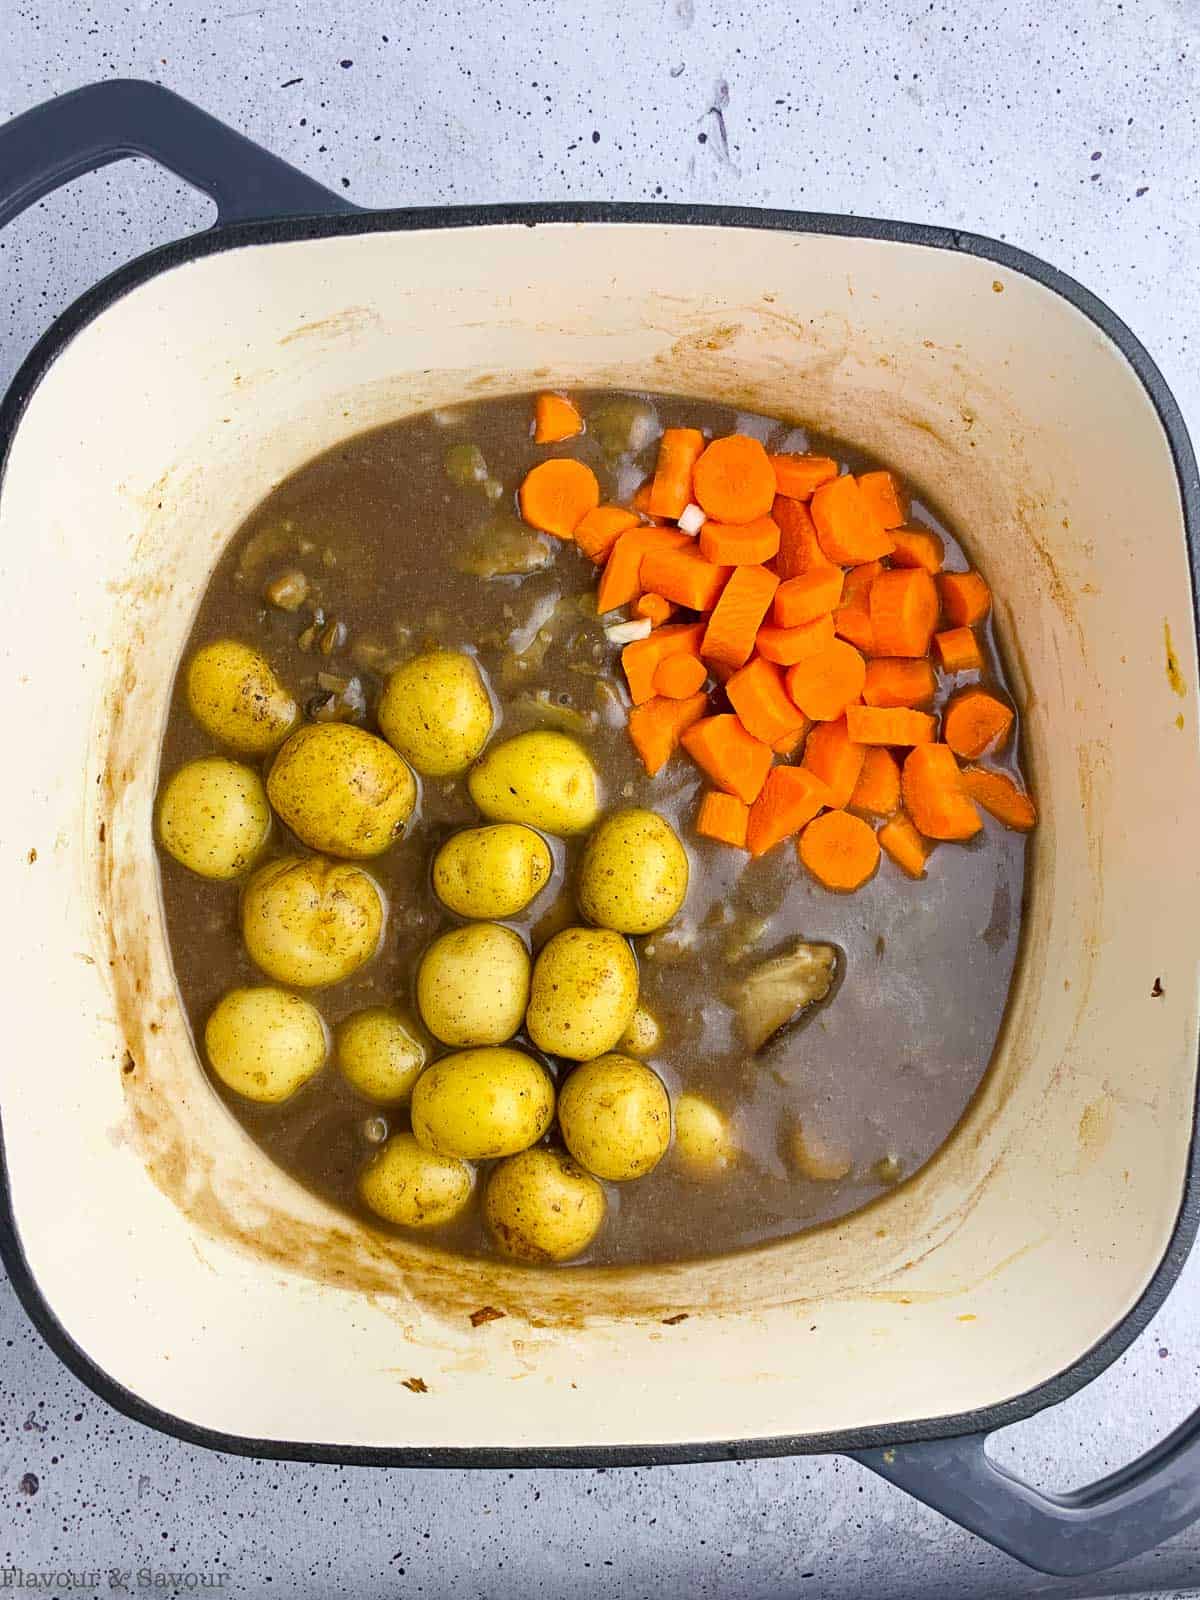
<point x="201" y="1278"/>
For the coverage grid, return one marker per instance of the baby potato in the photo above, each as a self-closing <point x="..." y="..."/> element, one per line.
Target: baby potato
<point x="643" y="1035"/>
<point x="234" y="695"/>
<point x="435" y="710"/>
<point x="703" y="1144"/>
<point x="583" y="994"/>
<point x="414" y="1187"/>
<point x="473" y="985"/>
<point x="543" y="779"/>
<point x="615" y="1117"/>
<point x="492" y="872"/>
<point x="379" y="1054"/>
<point x="213" y="816"/>
<point x="539" y="1206"/>
<point x="634" y="874"/>
<point x="264" y="1043"/>
<point x="310" y="922"/>
<point x="341" y="789"/>
<point x="482" y="1103"/>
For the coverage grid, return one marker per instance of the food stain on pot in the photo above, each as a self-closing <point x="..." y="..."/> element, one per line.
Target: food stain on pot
<point x="1095" y="1131"/>
<point x="1174" y="674"/>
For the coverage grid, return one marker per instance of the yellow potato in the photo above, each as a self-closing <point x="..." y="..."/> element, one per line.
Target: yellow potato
<point x="311" y="922"/>
<point x="543" y="779"/>
<point x="817" y="1158"/>
<point x="414" y="1187"/>
<point x="492" y="872"/>
<point x="213" y="816"/>
<point x="643" y="1035"/>
<point x="473" y="984"/>
<point x="435" y="710"/>
<point x="341" y="789"/>
<point x="482" y="1103"/>
<point x="615" y="1117"/>
<point x="583" y="994"/>
<point x="233" y="694"/>
<point x="379" y="1054"/>
<point x="263" y="1043"/>
<point x="704" y="1146"/>
<point x="540" y="1206"/>
<point x="634" y="874"/>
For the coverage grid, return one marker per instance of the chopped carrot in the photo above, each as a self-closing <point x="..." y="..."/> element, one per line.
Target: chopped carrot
<point x="723" y="817"/>
<point x="757" y="694"/>
<point x="848" y="529"/>
<point x="804" y="599"/>
<point x="679" y="676"/>
<point x="899" y="681"/>
<point x="996" y="792"/>
<point x="797" y="476"/>
<point x="653" y="606"/>
<point x="799" y="548"/>
<point x="642" y="659"/>
<point x="641" y="498"/>
<point x="556" y="496"/>
<point x="905" y="845"/>
<point x="734" y="624"/>
<point x="835" y="758"/>
<point x="671" y="488"/>
<point x="966" y="598"/>
<point x="839" y="850"/>
<point x="732" y="758"/>
<point x="621" y="581"/>
<point x="890" y="725"/>
<point x="733" y="480"/>
<point x="681" y="573"/>
<point x="904" y="611"/>
<point x="859" y="579"/>
<point x="786" y="646"/>
<point x="657" y="727"/>
<point x="554" y="418"/>
<point x="958" y="650"/>
<point x="917" y="547"/>
<point x="885" y="498"/>
<point x="791" y="742"/>
<point x="739" y="544"/>
<point x="974" y="720"/>
<point x="878" y="788"/>
<point x="791" y="797"/>
<point x="935" y="796"/>
<point x="601" y="529"/>
<point x="853" y="623"/>
<point x="825" y="684"/>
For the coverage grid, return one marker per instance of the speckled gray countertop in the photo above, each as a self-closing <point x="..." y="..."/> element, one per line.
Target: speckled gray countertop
<point x="1069" y="129"/>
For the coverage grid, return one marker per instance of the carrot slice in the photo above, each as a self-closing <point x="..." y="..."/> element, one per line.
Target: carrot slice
<point x="739" y="544"/>
<point x="885" y="498"/>
<point x="859" y="579"/>
<point x="798" y="476"/>
<point x="723" y="817"/>
<point x="653" y="606"/>
<point x="601" y="529"/>
<point x="757" y="694"/>
<point x="791" y="797"/>
<point x="671" y="489"/>
<point x="799" y="548"/>
<point x="890" y="725"/>
<point x="849" y="531"/>
<point x="917" y="547"/>
<point x="786" y="646"/>
<point x="657" y="727"/>
<point x="642" y="659"/>
<point x="554" y="418"/>
<point x="840" y="851"/>
<point x="935" y="796"/>
<point x="974" y="720"/>
<point x="904" y="611"/>
<point x="996" y="792"/>
<point x="958" y="650"/>
<point x="733" y="627"/>
<point x="905" y="845"/>
<point x="681" y="573"/>
<point x="621" y="581"/>
<point x="641" y="498"/>
<point x="966" y="598"/>
<point x="679" y="676"/>
<point x="556" y="496"/>
<point x="790" y="742"/>
<point x="878" y="788"/>
<point x="804" y="599"/>
<point x="899" y="681"/>
<point x="832" y="755"/>
<point x="824" y="685"/>
<point x="733" y="480"/>
<point x="734" y="760"/>
<point x="853" y="623"/>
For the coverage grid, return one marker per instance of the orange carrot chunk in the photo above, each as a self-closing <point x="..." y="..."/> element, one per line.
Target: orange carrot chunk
<point x="723" y="817"/>
<point x="885" y="498"/>
<point x="974" y="720"/>
<point x="671" y="489"/>
<point x="641" y="498"/>
<point x="790" y="742"/>
<point x="848" y="529"/>
<point x="601" y="529"/>
<point x="621" y="581"/>
<point x="790" y="798"/>
<point x="996" y="792"/>
<point x="840" y="851"/>
<point x="917" y="547"/>
<point x="899" y="681"/>
<point x="824" y="685"/>
<point x="878" y="788"/>
<point x="853" y="623"/>
<point x="653" y="606"/>
<point x="798" y="476"/>
<point x="905" y="845"/>
<point x="743" y="544"/>
<point x="904" y="611"/>
<point x="935" y="796"/>
<point x="966" y="598"/>
<point x="804" y="599"/>
<point x="890" y="725"/>
<point x="859" y="579"/>
<point x="832" y="755"/>
<point x="679" y="676"/>
<point x="757" y="694"/>
<point x="657" y="727"/>
<point x="557" y="495"/>
<point x="683" y="575"/>
<point x="958" y="650"/>
<point x="734" y="624"/>
<point x="799" y="548"/>
<point x="733" y="480"/>
<point x="642" y="659"/>
<point x="732" y="758"/>
<point x="786" y="646"/>
<point x="554" y="418"/>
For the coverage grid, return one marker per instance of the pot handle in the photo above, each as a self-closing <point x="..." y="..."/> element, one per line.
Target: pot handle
<point x="76" y="133"/>
<point x="1071" y="1534"/>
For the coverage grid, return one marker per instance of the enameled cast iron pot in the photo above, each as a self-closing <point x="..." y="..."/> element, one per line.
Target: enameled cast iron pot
<point x="196" y="1287"/>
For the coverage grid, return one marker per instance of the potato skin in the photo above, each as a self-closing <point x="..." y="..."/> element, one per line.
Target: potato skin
<point x="643" y="1036"/>
<point x="341" y="790"/>
<point x="615" y="1117"/>
<point x="378" y="1054"/>
<point x="634" y="873"/>
<point x="309" y="922"/>
<point x="263" y="1043"/>
<point x="583" y="994"/>
<point x="473" y="985"/>
<point x="544" y="779"/>
<point x="477" y="1104"/>
<point x="540" y="1206"/>
<point x="213" y="817"/>
<point x="435" y="710"/>
<point x="704" y="1146"/>
<point x="492" y="872"/>
<point x="234" y="695"/>
<point x="414" y="1187"/>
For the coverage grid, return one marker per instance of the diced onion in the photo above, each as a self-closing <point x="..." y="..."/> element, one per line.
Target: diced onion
<point x="691" y="520"/>
<point x="627" y="632"/>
